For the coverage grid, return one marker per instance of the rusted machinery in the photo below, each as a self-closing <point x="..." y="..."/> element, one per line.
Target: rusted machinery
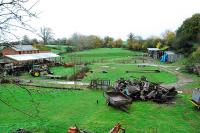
<point x="141" y="89"/>
<point x="115" y="129"/>
<point x="118" y="99"/>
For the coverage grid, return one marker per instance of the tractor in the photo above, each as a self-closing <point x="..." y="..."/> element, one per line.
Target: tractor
<point x="38" y="70"/>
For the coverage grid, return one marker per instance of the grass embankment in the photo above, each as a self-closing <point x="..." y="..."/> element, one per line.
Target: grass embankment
<point x="55" y="111"/>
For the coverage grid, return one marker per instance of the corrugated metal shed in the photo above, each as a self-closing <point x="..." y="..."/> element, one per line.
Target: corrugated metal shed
<point x="153" y="49"/>
<point x="169" y="52"/>
<point x="26" y="57"/>
<point x="172" y="57"/>
<point x="23" y="47"/>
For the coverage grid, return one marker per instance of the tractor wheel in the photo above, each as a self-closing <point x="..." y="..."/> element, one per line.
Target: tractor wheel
<point x="36" y="74"/>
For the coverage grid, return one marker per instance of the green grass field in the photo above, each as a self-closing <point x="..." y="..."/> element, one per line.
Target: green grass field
<point x="117" y="71"/>
<point x="55" y="111"/>
<point x="101" y="54"/>
<point x="62" y="71"/>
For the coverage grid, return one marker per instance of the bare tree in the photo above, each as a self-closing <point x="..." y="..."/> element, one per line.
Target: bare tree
<point x="15" y="14"/>
<point x="46" y="34"/>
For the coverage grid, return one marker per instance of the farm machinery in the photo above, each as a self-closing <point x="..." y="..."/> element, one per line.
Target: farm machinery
<point x="116" y="129"/>
<point x="38" y="70"/>
<point x="138" y="89"/>
<point x="142" y="89"/>
<point x="118" y="99"/>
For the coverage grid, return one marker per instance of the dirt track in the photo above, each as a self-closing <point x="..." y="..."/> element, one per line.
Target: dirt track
<point x="182" y="79"/>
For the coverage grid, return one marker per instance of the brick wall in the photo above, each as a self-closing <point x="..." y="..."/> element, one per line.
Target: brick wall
<point x="9" y="51"/>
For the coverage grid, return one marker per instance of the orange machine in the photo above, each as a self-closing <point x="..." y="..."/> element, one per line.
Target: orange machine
<point x="115" y="129"/>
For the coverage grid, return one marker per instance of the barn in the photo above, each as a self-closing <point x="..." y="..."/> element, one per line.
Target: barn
<point x="19" y="49"/>
<point x="27" y="54"/>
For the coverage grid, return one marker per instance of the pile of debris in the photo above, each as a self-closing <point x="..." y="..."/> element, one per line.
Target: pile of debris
<point x="141" y="89"/>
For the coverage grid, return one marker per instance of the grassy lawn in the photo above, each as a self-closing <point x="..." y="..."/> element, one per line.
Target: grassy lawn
<point x="55" y="111"/>
<point x="101" y="54"/>
<point x="62" y="71"/>
<point x="116" y="71"/>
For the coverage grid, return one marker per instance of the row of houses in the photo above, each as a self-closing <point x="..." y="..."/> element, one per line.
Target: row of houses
<point x="163" y="55"/>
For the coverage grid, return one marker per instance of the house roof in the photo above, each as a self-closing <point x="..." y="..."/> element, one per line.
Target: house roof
<point x="37" y="56"/>
<point x="23" y="47"/>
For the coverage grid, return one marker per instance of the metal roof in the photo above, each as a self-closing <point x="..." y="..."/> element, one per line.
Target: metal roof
<point x="37" y="56"/>
<point x="169" y="52"/>
<point x="153" y="49"/>
<point x="23" y="47"/>
<point x="1" y="47"/>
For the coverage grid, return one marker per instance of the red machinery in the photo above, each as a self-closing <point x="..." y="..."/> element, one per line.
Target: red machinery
<point x="115" y="129"/>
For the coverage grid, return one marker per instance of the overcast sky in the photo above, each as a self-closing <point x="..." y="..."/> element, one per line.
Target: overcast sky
<point x="116" y="18"/>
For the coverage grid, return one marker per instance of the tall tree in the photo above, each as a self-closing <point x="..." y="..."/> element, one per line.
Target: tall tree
<point x="168" y="38"/>
<point x="25" y="40"/>
<point x="130" y="40"/>
<point x="14" y="14"/>
<point x="108" y="42"/>
<point x="117" y="43"/>
<point x="190" y="27"/>
<point x="46" y="34"/>
<point x="188" y="34"/>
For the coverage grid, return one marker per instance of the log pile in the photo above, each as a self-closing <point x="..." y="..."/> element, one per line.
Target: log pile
<point x="141" y="89"/>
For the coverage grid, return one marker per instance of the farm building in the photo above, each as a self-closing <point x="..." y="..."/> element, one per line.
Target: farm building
<point x="169" y="56"/>
<point x="162" y="55"/>
<point x="154" y="53"/>
<point x="19" y="49"/>
<point x="26" y="54"/>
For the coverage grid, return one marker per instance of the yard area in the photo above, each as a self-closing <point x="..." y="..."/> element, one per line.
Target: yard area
<point x="101" y="54"/>
<point x="117" y="71"/>
<point x="55" y="111"/>
<point x="45" y="110"/>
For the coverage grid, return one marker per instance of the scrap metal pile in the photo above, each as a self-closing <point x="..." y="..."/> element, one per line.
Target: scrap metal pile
<point x="141" y="89"/>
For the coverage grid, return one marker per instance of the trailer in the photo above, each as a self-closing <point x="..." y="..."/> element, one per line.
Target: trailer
<point x="118" y="99"/>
